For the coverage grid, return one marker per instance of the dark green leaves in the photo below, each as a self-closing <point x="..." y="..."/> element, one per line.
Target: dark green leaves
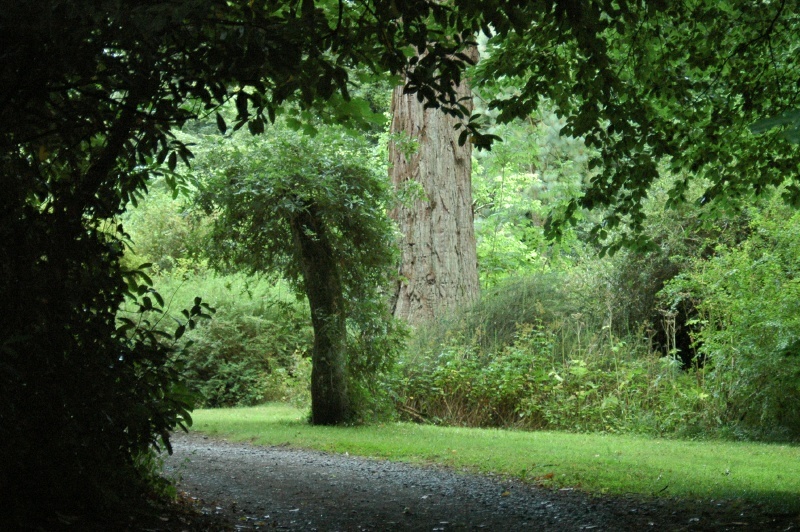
<point x="85" y="128"/>
<point x="261" y="186"/>
<point x="679" y="82"/>
<point x="221" y="123"/>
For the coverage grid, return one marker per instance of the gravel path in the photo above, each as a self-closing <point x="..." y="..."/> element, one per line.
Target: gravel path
<point x="263" y="488"/>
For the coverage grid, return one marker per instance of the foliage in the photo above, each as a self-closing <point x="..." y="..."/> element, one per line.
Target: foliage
<point x="244" y="359"/>
<point x="545" y="352"/>
<point x="533" y="172"/>
<point x="257" y="188"/>
<point x="165" y="231"/>
<point x="747" y="327"/>
<point x="254" y="186"/>
<point x="89" y="94"/>
<point x="493" y="320"/>
<point x="676" y="236"/>
<point x="536" y="382"/>
<point x="254" y="350"/>
<point x="592" y="346"/>
<point x="94" y="390"/>
<point x="646" y="83"/>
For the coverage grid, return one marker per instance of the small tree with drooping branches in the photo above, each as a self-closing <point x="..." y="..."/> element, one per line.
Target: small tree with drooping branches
<point x="314" y="211"/>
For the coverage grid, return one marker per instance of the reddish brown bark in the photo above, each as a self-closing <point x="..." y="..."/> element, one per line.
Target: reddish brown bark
<point x="439" y="260"/>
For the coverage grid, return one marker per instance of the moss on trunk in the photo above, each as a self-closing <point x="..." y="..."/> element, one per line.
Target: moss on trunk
<point x="323" y="287"/>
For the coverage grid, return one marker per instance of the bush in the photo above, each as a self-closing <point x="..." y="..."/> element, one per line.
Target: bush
<point x="528" y="385"/>
<point x="85" y="392"/>
<point x="165" y="230"/>
<point x="254" y="350"/>
<point x="749" y="324"/>
<point x="493" y="320"/>
<point x="551" y="361"/>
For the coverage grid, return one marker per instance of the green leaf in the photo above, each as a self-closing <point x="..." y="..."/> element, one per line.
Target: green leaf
<point x="158" y="298"/>
<point x="308" y="8"/>
<point x="146" y="278"/>
<point x="241" y="104"/>
<point x="221" y="125"/>
<point x="792" y="135"/>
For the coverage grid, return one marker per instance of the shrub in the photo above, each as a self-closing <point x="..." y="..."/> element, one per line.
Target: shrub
<point x="494" y="319"/>
<point x="255" y="348"/>
<point x="85" y="392"/>
<point x="552" y="361"/>
<point x="527" y="384"/>
<point x="749" y="324"/>
<point x="165" y="230"/>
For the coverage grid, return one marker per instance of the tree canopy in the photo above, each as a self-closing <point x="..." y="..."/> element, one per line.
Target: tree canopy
<point x="89" y="95"/>
<point x="650" y="81"/>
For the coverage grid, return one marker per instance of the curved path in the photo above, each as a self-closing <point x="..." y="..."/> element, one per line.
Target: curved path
<point x="268" y="488"/>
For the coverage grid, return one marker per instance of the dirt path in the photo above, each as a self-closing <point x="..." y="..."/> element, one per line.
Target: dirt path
<point x="263" y="488"/>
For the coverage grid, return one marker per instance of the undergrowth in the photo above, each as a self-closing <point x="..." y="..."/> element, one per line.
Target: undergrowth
<point x="254" y="350"/>
<point x="559" y="368"/>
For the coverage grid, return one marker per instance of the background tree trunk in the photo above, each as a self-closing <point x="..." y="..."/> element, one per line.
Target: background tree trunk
<point x="329" y="399"/>
<point x="438" y="252"/>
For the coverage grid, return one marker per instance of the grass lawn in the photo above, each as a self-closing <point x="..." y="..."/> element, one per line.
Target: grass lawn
<point x="595" y="463"/>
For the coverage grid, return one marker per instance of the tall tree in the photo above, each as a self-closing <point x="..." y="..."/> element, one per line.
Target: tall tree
<point x="438" y="267"/>
<point x="679" y="83"/>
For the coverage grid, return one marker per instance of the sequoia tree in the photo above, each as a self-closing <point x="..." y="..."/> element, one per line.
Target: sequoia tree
<point x="438" y="267"/>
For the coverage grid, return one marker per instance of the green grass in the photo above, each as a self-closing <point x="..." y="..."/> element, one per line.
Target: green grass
<point x="596" y="463"/>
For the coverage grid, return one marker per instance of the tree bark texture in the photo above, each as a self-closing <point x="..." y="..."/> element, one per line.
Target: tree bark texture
<point x="438" y="269"/>
<point x="329" y="398"/>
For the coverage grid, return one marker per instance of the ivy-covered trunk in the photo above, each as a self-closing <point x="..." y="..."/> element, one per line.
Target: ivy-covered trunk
<point x="438" y="270"/>
<point x="323" y="286"/>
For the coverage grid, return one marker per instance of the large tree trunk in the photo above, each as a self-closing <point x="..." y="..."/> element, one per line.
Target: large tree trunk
<point x="439" y="259"/>
<point x="329" y="398"/>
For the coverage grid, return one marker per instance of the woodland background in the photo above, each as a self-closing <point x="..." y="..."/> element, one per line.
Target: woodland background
<point x="633" y="187"/>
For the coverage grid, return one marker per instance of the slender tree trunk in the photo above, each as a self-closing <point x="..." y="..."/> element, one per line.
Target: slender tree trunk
<point x="438" y="271"/>
<point x="329" y="398"/>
